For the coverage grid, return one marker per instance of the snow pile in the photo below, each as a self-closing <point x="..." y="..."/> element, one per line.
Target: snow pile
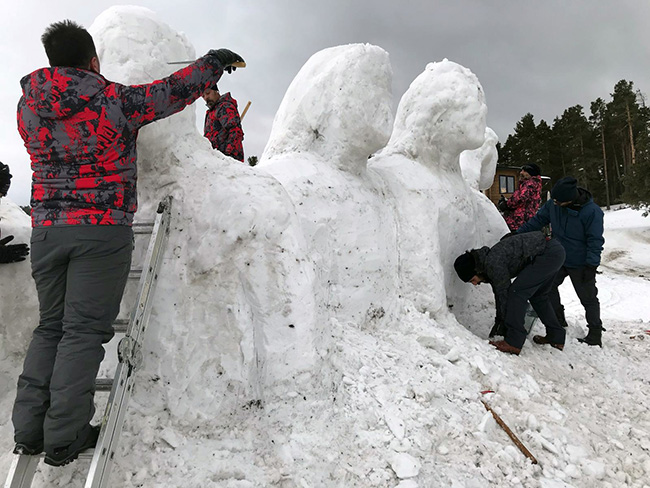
<point x="301" y="334"/>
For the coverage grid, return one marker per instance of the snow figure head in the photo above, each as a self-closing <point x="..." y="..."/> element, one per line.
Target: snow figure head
<point x="337" y="108"/>
<point x="134" y="46"/>
<point x="441" y="114"/>
<point x="479" y="165"/>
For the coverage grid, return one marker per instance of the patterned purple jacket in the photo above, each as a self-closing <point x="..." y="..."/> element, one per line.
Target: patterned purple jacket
<point x="524" y="202"/>
<point x="223" y="127"/>
<point x="80" y="131"/>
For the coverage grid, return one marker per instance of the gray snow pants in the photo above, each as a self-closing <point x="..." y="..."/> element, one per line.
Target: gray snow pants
<point x="80" y="273"/>
<point x="533" y="285"/>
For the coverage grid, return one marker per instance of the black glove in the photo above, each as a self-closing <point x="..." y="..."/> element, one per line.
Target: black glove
<point x="503" y="204"/>
<point x="588" y="273"/>
<point x="226" y="57"/>
<point x="5" y="179"/>
<point x="12" y="253"/>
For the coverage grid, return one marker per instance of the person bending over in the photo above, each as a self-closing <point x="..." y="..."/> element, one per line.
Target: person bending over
<point x="533" y="261"/>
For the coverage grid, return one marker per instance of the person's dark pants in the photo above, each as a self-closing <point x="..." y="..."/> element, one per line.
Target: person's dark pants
<point x="586" y="291"/>
<point x="80" y="273"/>
<point x="533" y="285"/>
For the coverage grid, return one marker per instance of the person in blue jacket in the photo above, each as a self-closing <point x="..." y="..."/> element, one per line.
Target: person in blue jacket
<point x="577" y="222"/>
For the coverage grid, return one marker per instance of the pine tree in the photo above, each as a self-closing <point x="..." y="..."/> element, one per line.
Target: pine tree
<point x="598" y="121"/>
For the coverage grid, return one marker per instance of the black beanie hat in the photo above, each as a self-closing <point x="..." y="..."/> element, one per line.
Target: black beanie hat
<point x="565" y="190"/>
<point x="465" y="266"/>
<point x="532" y="169"/>
<point x="5" y="179"/>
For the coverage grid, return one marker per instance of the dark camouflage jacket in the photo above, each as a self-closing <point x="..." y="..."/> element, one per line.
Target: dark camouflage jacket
<point x="524" y="202"/>
<point x="504" y="261"/>
<point x="223" y="127"/>
<point x="80" y="131"/>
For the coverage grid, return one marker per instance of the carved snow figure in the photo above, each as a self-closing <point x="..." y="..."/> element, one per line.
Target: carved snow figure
<point x="441" y="115"/>
<point x="479" y="165"/>
<point x="235" y="295"/>
<point x="335" y="114"/>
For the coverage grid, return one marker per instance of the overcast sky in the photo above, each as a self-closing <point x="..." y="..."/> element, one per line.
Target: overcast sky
<point x="538" y="56"/>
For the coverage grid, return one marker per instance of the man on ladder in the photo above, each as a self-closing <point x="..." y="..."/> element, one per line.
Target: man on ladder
<point x="80" y="131"/>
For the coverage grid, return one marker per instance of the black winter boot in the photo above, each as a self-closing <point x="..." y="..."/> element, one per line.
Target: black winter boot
<point x="86" y="439"/>
<point x="593" y="338"/>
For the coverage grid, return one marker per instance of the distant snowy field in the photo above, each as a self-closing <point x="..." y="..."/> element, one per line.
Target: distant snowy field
<point x="308" y="330"/>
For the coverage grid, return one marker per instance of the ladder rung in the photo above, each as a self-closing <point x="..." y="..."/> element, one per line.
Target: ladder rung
<point x="143" y="228"/>
<point x="87" y="454"/>
<point x="103" y="384"/>
<point x="120" y="325"/>
<point x="135" y="273"/>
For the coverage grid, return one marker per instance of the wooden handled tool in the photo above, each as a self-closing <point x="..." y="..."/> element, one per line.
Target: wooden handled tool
<point x="511" y="434"/>
<point x="241" y="117"/>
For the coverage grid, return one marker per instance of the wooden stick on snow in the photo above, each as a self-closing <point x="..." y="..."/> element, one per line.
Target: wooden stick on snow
<point x="512" y="436"/>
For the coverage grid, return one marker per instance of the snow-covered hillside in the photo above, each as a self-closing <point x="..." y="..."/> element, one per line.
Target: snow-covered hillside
<point x="308" y="330"/>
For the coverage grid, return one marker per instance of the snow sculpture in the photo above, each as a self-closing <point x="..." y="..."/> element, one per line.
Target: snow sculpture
<point x="234" y="309"/>
<point x="479" y="165"/>
<point x="335" y="114"/>
<point x="18" y="300"/>
<point x="441" y="115"/>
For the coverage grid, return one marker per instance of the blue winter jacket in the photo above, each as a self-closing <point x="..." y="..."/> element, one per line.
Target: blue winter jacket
<point x="578" y="227"/>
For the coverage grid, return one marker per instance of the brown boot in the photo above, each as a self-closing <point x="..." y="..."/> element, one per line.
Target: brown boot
<point x="503" y="346"/>
<point x="538" y="339"/>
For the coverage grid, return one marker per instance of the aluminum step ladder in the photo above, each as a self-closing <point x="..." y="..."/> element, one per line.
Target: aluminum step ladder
<point x="23" y="468"/>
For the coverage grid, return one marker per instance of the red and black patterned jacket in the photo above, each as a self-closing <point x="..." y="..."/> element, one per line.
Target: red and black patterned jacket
<point x="80" y="131"/>
<point x="223" y="127"/>
<point x="524" y="202"/>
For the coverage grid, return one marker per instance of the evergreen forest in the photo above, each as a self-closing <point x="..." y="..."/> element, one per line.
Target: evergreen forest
<point x="607" y="149"/>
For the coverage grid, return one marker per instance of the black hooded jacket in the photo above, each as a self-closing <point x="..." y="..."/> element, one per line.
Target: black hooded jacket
<point x="504" y="261"/>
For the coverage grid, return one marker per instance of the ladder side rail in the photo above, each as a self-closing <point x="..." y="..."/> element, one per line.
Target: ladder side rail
<point x="22" y="471"/>
<point x="113" y="418"/>
<point x="149" y="275"/>
<point x="99" y="466"/>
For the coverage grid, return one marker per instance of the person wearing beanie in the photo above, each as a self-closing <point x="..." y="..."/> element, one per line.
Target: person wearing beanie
<point x="565" y="190"/>
<point x="533" y="260"/>
<point x="577" y="223"/>
<point x="222" y="125"/>
<point x="5" y="179"/>
<point x="524" y="202"/>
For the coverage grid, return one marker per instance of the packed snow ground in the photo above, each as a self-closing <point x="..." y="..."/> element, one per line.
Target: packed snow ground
<point x="300" y="336"/>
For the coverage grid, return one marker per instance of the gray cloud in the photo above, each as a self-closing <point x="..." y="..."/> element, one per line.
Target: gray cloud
<point x="530" y="56"/>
